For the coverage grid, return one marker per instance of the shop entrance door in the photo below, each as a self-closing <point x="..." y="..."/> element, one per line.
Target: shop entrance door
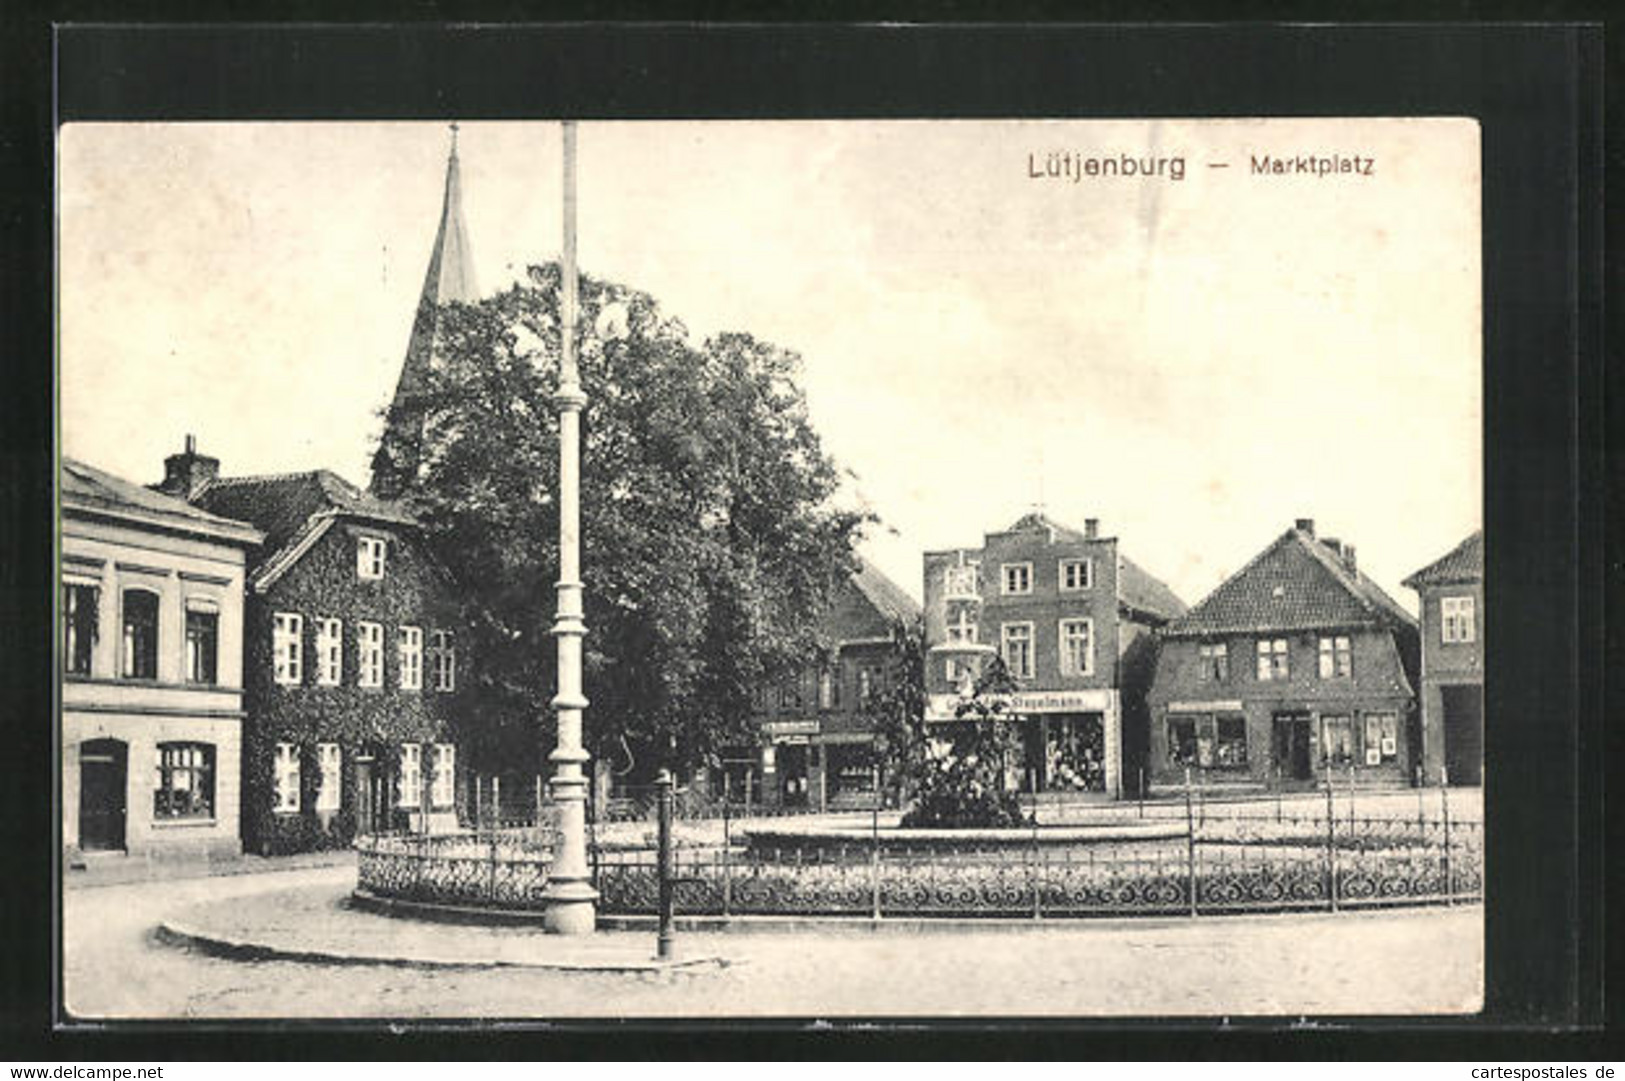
<point x="793" y="774"/>
<point x="1293" y="759"/>
<point x="102" y="769"/>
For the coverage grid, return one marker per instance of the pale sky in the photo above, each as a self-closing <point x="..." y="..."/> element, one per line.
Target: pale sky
<point x="1195" y="362"/>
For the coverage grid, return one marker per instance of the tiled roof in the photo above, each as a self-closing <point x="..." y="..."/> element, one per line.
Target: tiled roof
<point x="88" y="488"/>
<point x="866" y="606"/>
<point x="290" y="507"/>
<point x="1463" y="563"/>
<point x="1297" y="583"/>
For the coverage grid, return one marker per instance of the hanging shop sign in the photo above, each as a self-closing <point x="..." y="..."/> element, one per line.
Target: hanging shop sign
<point x="776" y="729"/>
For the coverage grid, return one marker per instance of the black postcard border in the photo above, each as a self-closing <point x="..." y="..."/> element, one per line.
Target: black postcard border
<point x="1536" y="90"/>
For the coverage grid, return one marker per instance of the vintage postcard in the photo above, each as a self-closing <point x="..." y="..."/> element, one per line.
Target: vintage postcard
<point x="803" y="569"/>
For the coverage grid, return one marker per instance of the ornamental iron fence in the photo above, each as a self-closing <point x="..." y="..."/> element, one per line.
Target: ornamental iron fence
<point x="1264" y="862"/>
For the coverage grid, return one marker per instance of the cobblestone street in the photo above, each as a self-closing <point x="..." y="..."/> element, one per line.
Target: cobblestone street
<point x="1398" y="962"/>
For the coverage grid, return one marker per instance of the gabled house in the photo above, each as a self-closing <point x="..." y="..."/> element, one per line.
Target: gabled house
<point x="150" y="661"/>
<point x="1452" y="593"/>
<point x="350" y="659"/>
<point x="1072" y="616"/>
<point x="817" y="736"/>
<point x="1297" y="667"/>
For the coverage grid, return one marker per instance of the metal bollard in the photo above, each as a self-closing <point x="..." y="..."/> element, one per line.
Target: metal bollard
<point x="667" y="870"/>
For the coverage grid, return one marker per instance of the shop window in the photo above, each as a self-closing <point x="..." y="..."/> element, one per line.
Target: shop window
<point x="286" y="779"/>
<point x="410" y="646"/>
<point x="1182" y="741"/>
<point x="79" y="602"/>
<point x="1017" y="639"/>
<point x="330" y="763"/>
<point x="1336" y="659"/>
<point x="1230" y="742"/>
<point x="850" y="768"/>
<point x="1273" y="659"/>
<point x="329" y="652"/>
<point x="140" y="634"/>
<point x="1213" y="659"/>
<point x="202" y="646"/>
<point x="287" y="648"/>
<point x="1458" y="619"/>
<point x="1336" y="740"/>
<point x="184" y="782"/>
<point x="1381" y="738"/>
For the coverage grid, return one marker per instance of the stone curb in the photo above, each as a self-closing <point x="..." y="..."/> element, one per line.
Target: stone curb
<point x="174" y="933"/>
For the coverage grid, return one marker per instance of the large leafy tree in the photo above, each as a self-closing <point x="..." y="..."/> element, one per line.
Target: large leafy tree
<point x="710" y="539"/>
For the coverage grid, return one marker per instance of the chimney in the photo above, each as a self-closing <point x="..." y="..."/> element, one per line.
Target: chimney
<point x="188" y="473"/>
<point x="1307" y="525"/>
<point x="1091" y="528"/>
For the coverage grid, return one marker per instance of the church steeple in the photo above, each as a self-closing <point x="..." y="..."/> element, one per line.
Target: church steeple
<point x="450" y="278"/>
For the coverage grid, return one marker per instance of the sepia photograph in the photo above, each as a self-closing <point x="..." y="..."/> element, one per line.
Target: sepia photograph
<point x="950" y="568"/>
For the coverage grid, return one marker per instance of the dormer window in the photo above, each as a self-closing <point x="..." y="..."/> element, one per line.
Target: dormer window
<point x="369" y="557"/>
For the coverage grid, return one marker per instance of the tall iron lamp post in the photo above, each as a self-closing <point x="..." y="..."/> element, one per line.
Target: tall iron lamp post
<point x="569" y="896"/>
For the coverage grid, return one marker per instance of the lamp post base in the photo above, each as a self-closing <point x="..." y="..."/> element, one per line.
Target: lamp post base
<point x="570" y="909"/>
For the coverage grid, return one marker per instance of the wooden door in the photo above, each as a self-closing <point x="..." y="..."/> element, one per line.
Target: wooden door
<point x="103" y="766"/>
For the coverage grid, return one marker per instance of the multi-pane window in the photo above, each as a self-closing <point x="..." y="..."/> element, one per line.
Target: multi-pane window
<point x="202" y="645"/>
<point x="1381" y="738"/>
<point x="329" y="652"/>
<point x="285" y="779"/>
<point x="330" y="762"/>
<point x="1017" y="647"/>
<point x="443" y="792"/>
<point x="370" y="651"/>
<point x="962" y="630"/>
<point x="1457" y="619"/>
<point x="411" y="658"/>
<point x="287" y="647"/>
<point x="790" y="693"/>
<point x="960" y="581"/>
<point x="140" y="634"/>
<point x="1336" y="739"/>
<point x="1208" y="741"/>
<point x="1272" y="659"/>
<point x="866" y="684"/>
<point x="1336" y="660"/>
<point x="78" y="627"/>
<point x="1077" y="574"/>
<point x="411" y="783"/>
<point x="1077" y="647"/>
<point x="1018" y="577"/>
<point x="443" y="644"/>
<point x="183" y="784"/>
<point x="826" y="689"/>
<point x="369" y="557"/>
<point x="1213" y="660"/>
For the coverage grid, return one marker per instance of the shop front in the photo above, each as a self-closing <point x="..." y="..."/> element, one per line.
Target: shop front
<point x="1071" y="741"/>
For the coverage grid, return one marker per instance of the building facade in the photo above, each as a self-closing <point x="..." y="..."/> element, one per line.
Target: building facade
<point x="351" y="664"/>
<point x="151" y="624"/>
<point x="1072" y="617"/>
<point x="1295" y="669"/>
<point x="816" y="732"/>
<point x="1451" y="589"/>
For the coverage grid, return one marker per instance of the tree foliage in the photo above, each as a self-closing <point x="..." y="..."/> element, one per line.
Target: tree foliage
<point x="710" y="542"/>
<point x="963" y="785"/>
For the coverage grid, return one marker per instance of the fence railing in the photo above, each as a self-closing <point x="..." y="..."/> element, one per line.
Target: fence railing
<point x="500" y="868"/>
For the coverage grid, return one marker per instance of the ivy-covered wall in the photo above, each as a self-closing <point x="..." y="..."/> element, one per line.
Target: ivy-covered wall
<point x="324" y="584"/>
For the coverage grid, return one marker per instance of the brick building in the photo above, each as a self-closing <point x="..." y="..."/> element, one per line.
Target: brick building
<point x="1298" y="664"/>
<point x="1452" y="593"/>
<point x="816" y="737"/>
<point x="350" y="660"/>
<point x="1072" y="616"/>
<point x="151" y="623"/>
